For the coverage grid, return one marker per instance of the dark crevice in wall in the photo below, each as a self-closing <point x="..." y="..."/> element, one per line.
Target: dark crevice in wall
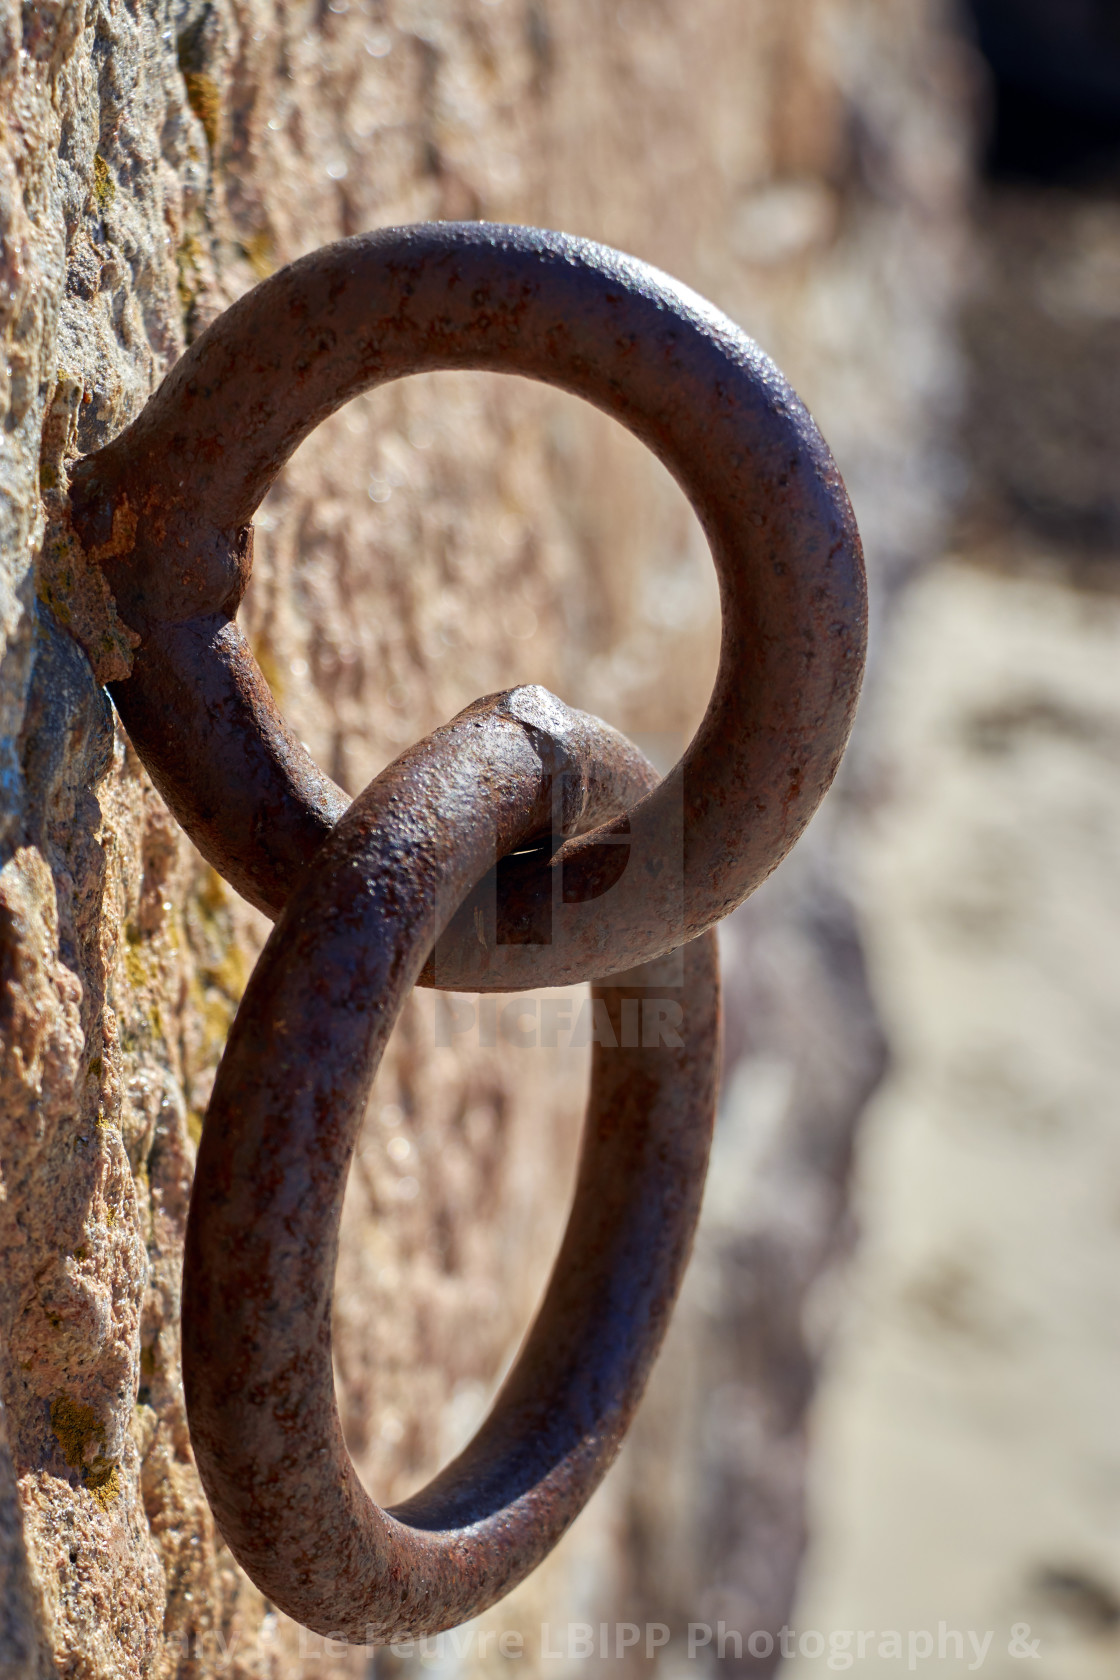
<point x="1055" y="69"/>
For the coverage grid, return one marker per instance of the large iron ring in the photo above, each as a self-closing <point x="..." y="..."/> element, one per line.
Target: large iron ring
<point x="165" y="510"/>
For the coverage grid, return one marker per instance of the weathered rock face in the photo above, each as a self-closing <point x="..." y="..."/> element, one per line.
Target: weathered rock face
<point x="436" y="542"/>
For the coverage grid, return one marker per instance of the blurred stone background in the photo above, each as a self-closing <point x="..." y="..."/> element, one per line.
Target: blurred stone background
<point x="817" y="168"/>
<point x="965" y="1470"/>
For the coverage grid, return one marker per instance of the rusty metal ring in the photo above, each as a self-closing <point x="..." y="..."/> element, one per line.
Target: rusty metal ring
<point x="263" y="1227"/>
<point x="165" y="510"/>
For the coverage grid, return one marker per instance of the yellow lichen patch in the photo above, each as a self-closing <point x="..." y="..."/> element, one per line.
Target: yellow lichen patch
<point x="231" y="975"/>
<point x="215" y="995"/>
<point x="134" y="967"/>
<point x="261" y="253"/>
<point x="225" y="966"/>
<point x="271" y="669"/>
<point x="211" y="895"/>
<point x="221" y="971"/>
<point x="141" y="963"/>
<point x="104" y="187"/>
<point x="221" y="985"/>
<point x="206" y="103"/>
<point x="75" y="1426"/>
<point x="189" y="259"/>
<point x="104" y="1482"/>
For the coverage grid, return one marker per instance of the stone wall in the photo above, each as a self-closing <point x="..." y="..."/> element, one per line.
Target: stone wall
<point x="799" y="162"/>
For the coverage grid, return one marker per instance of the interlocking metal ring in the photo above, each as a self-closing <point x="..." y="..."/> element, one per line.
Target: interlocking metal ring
<point x="276" y="1147"/>
<point x="621" y="871"/>
<point x="165" y="509"/>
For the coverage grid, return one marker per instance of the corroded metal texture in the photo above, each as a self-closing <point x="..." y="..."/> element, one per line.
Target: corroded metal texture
<point x="263" y="1229"/>
<point x="165" y="511"/>
<point x="522" y="844"/>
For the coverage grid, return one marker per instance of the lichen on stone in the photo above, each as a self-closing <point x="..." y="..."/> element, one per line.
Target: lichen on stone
<point x="205" y="101"/>
<point x="260" y="249"/>
<point x="75" y="1426"/>
<point x="104" y="186"/>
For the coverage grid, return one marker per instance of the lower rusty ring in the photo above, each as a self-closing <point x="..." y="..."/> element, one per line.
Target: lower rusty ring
<point x="280" y="1131"/>
<point x="165" y="508"/>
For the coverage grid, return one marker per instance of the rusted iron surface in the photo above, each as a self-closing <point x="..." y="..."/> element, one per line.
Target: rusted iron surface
<point x="272" y="1165"/>
<point x="165" y="510"/>
<point x="521" y="845"/>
